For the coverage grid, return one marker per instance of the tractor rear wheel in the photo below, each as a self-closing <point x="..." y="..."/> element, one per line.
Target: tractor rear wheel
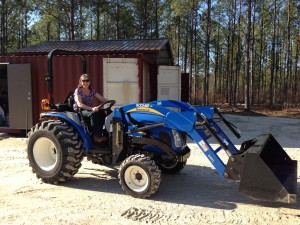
<point x="54" y="151"/>
<point x="139" y="176"/>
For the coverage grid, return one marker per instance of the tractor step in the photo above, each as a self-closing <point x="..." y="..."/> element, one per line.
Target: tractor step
<point x="97" y="149"/>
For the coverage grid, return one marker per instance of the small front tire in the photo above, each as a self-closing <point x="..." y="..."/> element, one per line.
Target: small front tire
<point x="139" y="176"/>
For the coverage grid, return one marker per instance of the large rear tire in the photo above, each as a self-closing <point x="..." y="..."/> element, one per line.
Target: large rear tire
<point x="54" y="151"/>
<point x="139" y="176"/>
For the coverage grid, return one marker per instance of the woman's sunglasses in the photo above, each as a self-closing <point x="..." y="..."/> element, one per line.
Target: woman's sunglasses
<point x="85" y="80"/>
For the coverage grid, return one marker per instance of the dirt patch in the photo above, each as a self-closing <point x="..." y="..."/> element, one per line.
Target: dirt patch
<point x="198" y="195"/>
<point x="261" y="111"/>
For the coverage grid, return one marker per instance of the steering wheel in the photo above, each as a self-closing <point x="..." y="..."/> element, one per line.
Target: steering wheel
<point x="104" y="106"/>
<point x="107" y="105"/>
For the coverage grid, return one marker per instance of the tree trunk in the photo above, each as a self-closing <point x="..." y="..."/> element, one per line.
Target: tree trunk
<point x="228" y="75"/>
<point x="178" y="39"/>
<point x="206" y="66"/>
<point x="288" y="60"/>
<point x="247" y="58"/>
<point x="295" y="88"/>
<point x="117" y="18"/>
<point x="145" y="18"/>
<point x="156" y="32"/>
<point x="3" y="28"/>
<point x="196" y="57"/>
<point x="98" y="20"/>
<point x="72" y="13"/>
<point x="217" y="73"/>
<point x="260" y="72"/>
<point x="253" y="53"/>
<point x="272" y="68"/>
<point x="191" y="33"/>
<point x="238" y="58"/>
<point x="232" y="71"/>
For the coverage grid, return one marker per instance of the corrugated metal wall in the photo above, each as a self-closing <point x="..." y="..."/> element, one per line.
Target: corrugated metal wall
<point x="66" y="73"/>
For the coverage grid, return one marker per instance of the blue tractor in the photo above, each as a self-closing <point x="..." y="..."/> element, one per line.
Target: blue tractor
<point x="146" y="139"/>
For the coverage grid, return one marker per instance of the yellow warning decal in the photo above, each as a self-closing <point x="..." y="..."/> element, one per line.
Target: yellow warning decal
<point x="145" y="109"/>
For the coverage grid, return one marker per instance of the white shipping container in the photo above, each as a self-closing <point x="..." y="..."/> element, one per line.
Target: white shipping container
<point x="121" y="81"/>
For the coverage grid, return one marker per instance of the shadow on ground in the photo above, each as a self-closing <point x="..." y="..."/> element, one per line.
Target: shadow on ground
<point x="194" y="185"/>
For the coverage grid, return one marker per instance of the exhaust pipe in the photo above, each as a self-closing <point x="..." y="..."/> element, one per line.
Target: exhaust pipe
<point x="264" y="170"/>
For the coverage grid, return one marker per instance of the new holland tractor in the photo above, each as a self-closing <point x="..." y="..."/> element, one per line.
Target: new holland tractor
<point x="146" y="139"/>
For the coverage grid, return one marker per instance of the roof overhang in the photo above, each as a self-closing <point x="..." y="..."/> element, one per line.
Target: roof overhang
<point x="160" y="48"/>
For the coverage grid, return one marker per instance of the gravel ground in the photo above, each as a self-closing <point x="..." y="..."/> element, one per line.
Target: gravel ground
<point x="198" y="195"/>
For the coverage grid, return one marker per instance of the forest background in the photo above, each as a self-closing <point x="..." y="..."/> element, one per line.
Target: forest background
<point x="236" y="51"/>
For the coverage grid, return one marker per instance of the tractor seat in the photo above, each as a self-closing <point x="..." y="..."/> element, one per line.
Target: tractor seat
<point x="69" y="100"/>
<point x="67" y="105"/>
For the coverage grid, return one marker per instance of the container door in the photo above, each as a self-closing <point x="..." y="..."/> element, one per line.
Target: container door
<point x="169" y="83"/>
<point x="19" y="96"/>
<point x="120" y="80"/>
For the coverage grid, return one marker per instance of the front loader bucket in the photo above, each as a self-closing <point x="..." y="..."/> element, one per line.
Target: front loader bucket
<point x="266" y="171"/>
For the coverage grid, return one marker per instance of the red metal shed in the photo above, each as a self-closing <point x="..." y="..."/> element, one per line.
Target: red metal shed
<point x="22" y="75"/>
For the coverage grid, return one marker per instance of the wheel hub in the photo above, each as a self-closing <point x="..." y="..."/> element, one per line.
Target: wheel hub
<point x="45" y="154"/>
<point x="136" y="178"/>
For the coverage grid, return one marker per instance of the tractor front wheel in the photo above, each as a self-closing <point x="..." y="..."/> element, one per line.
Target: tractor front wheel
<point x="139" y="176"/>
<point x="54" y="151"/>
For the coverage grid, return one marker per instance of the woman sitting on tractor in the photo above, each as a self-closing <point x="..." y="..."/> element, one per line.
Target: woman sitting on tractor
<point x="84" y="95"/>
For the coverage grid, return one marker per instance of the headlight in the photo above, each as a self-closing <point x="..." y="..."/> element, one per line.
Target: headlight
<point x="177" y="138"/>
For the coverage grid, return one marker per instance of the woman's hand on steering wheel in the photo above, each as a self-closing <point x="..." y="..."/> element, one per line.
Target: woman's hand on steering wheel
<point x="95" y="109"/>
<point x="106" y="105"/>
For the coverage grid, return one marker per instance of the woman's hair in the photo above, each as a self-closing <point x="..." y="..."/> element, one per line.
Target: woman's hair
<point x="84" y="77"/>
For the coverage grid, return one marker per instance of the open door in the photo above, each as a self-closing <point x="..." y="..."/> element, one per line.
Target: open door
<point x="19" y="96"/>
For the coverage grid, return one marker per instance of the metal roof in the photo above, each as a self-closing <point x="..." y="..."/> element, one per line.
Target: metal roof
<point x="160" y="47"/>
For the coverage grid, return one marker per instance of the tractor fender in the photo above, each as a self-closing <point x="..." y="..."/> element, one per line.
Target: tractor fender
<point x="73" y="119"/>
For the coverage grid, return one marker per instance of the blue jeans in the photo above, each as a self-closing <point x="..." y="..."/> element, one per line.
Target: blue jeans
<point x="97" y="120"/>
